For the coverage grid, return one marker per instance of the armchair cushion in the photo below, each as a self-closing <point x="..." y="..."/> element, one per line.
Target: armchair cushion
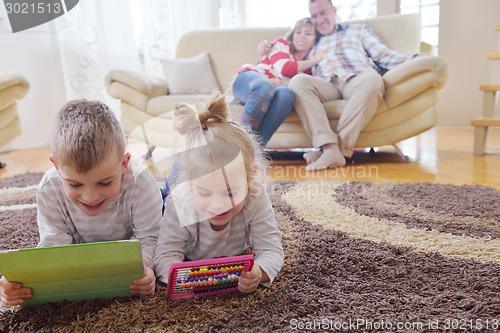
<point x="134" y="88"/>
<point x="13" y="86"/>
<point x="189" y="76"/>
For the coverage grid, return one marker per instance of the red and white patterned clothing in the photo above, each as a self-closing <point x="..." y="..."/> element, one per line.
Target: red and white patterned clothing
<point x="280" y="63"/>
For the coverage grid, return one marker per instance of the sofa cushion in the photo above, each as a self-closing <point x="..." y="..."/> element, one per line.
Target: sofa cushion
<point x="189" y="76"/>
<point x="398" y="32"/>
<point x="229" y="49"/>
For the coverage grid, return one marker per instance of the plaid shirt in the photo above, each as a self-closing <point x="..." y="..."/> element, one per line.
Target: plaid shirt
<point x="353" y="49"/>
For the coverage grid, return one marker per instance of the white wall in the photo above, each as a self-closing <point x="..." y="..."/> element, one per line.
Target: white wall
<point x="387" y="7"/>
<point x="466" y="34"/>
<point x="35" y="55"/>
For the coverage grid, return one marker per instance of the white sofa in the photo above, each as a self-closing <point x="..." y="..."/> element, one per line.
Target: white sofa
<point x="408" y="108"/>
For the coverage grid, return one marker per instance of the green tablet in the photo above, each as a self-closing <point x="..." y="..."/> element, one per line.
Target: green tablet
<point x="74" y="272"/>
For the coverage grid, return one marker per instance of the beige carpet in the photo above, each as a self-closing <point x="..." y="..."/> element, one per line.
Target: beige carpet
<point x="359" y="257"/>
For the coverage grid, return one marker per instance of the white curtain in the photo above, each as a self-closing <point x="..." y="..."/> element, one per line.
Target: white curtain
<point x="95" y="37"/>
<point x="232" y="13"/>
<point x="165" y="21"/>
<point x="4" y="21"/>
<point x="98" y="35"/>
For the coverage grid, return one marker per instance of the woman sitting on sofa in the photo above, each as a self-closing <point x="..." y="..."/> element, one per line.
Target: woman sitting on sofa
<point x="263" y="87"/>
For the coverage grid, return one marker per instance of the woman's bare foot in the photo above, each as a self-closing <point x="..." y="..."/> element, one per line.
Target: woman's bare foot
<point x="330" y="158"/>
<point x="312" y="156"/>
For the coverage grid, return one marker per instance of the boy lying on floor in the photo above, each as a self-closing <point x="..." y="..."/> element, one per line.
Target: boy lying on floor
<point x="95" y="192"/>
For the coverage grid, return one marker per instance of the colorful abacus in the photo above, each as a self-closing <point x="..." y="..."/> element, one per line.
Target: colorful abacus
<point x="206" y="277"/>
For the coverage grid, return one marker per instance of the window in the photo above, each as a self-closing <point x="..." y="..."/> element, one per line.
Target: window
<point x="356" y="9"/>
<point x="429" y="13"/>
<point x="284" y="13"/>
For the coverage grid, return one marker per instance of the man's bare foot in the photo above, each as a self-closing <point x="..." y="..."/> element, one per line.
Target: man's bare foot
<point x="330" y="158"/>
<point x="312" y="156"/>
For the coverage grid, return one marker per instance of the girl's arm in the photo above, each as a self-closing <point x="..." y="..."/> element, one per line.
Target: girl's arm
<point x="265" y="236"/>
<point x="249" y="281"/>
<point x="171" y="243"/>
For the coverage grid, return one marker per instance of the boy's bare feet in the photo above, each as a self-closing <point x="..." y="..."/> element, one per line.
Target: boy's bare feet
<point x="330" y="158"/>
<point x="312" y="156"/>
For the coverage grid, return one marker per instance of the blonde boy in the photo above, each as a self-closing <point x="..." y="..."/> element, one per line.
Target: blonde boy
<point x="95" y="192"/>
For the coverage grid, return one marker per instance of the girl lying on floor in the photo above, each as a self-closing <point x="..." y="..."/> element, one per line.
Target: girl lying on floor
<point x="218" y="205"/>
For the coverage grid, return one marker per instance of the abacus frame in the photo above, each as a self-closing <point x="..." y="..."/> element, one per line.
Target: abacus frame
<point x="175" y="292"/>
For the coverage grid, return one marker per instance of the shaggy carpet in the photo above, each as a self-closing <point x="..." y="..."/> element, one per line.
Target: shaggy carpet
<point x="360" y="257"/>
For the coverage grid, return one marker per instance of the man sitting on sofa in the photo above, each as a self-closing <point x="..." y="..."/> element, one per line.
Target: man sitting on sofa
<point x="349" y="70"/>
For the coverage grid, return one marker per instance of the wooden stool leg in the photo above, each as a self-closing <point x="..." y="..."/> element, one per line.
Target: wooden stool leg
<point x="480" y="139"/>
<point x="488" y="103"/>
<point x="480" y="132"/>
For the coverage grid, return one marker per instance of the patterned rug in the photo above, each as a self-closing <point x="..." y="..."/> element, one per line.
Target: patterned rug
<point x="360" y="257"/>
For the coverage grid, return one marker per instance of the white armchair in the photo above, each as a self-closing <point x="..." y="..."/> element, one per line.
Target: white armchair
<point x="12" y="88"/>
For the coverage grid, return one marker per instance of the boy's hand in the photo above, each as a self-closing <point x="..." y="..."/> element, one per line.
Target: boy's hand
<point x="249" y="281"/>
<point x="146" y="285"/>
<point x="13" y="293"/>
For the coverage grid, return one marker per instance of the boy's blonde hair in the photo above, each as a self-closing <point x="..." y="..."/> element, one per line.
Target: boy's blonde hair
<point x="212" y="140"/>
<point x="84" y="134"/>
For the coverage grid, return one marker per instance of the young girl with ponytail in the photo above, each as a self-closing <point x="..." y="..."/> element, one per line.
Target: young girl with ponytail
<point x="218" y="204"/>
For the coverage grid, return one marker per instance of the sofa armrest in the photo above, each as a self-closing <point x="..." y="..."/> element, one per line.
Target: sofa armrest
<point x="427" y="48"/>
<point x="134" y="88"/>
<point x="413" y="77"/>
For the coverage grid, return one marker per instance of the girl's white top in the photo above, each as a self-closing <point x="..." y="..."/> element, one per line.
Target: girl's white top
<point x="254" y="225"/>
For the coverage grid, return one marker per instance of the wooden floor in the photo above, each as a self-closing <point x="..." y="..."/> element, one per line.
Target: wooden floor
<point x="440" y="155"/>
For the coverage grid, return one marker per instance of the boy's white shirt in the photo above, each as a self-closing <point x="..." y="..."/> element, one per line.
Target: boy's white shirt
<point x="254" y="225"/>
<point x="134" y="214"/>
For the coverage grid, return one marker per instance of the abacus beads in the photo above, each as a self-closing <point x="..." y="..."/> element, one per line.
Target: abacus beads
<point x="213" y="277"/>
<point x="207" y="276"/>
